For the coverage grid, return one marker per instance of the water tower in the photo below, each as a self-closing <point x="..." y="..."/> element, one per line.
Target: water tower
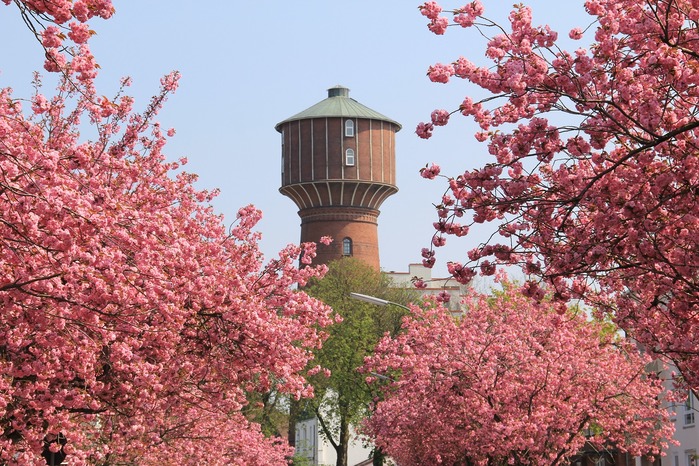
<point x="338" y="166"/>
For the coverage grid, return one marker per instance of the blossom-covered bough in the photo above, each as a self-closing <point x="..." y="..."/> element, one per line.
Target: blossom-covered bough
<point x="512" y="382"/>
<point x="132" y="322"/>
<point x="604" y="209"/>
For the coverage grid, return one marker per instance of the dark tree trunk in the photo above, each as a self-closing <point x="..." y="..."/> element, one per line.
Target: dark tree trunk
<point x="294" y="410"/>
<point x="343" y="444"/>
<point x="378" y="458"/>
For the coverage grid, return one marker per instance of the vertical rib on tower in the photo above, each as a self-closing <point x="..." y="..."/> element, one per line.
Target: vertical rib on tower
<point x="338" y="166"/>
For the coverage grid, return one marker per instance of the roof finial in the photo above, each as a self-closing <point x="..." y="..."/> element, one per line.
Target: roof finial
<point x="338" y="91"/>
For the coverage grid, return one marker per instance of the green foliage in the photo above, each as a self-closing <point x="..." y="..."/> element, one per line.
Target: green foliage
<point x="298" y="460"/>
<point x="270" y="410"/>
<point x="344" y="397"/>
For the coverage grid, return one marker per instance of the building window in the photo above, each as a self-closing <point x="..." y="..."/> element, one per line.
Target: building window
<point x="349" y="157"/>
<point x="349" y="128"/>
<point x="347" y="247"/>
<point x="282" y="155"/>
<point x="689" y="410"/>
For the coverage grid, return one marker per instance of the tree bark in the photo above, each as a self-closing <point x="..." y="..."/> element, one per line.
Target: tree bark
<point x="294" y="409"/>
<point x="343" y="444"/>
<point x="378" y="457"/>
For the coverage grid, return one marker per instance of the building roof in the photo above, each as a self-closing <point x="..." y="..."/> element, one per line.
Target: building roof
<point x="338" y="104"/>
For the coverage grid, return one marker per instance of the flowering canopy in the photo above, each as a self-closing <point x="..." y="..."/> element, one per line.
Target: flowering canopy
<point x="511" y="382"/>
<point x="605" y="208"/>
<point x="133" y="322"/>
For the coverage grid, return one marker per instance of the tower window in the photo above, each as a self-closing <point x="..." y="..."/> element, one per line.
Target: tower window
<point x="349" y="157"/>
<point x="282" y="154"/>
<point x="349" y="128"/>
<point x="347" y="247"/>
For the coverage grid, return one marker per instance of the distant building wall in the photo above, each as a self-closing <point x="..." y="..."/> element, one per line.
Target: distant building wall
<point x="685" y="417"/>
<point x="312" y="445"/>
<point x="433" y="285"/>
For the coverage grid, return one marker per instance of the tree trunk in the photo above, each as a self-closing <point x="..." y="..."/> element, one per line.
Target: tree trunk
<point x="378" y="457"/>
<point x="343" y="444"/>
<point x="294" y="410"/>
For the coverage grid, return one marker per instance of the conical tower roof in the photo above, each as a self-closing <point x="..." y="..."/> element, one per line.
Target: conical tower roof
<point x="338" y="104"/>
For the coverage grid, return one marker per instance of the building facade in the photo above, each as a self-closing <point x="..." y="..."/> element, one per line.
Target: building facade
<point x="432" y="286"/>
<point x="310" y="444"/>
<point x="685" y="417"/>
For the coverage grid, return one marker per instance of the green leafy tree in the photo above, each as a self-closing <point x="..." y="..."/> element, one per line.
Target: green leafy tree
<point x="343" y="399"/>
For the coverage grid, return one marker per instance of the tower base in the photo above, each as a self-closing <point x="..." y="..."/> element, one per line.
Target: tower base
<point x="354" y="231"/>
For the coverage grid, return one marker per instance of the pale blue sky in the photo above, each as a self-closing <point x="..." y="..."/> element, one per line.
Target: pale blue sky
<point x="248" y="65"/>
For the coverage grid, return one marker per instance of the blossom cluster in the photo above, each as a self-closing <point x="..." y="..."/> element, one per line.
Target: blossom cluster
<point x="135" y="324"/>
<point x="601" y="208"/>
<point x="512" y="382"/>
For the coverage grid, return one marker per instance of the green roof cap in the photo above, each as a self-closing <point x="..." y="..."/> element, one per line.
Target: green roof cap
<point x="338" y="104"/>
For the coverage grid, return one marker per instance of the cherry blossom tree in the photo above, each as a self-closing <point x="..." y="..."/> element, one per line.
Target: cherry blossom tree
<point x="594" y="178"/>
<point x="133" y="322"/>
<point x="511" y="382"/>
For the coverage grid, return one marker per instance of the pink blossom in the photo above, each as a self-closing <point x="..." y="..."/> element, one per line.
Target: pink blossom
<point x="170" y="81"/>
<point x="487" y="268"/>
<point x="51" y="37"/>
<point x="464" y="20"/>
<point x="40" y="104"/>
<point x="326" y="240"/>
<point x="424" y="130"/>
<point x="576" y="34"/>
<point x="81" y="11"/>
<point x="460" y="273"/>
<point x="610" y="207"/>
<point x="467" y="15"/>
<point x="439" y="240"/>
<point x="430" y="172"/>
<point x="443" y="297"/>
<point x="419" y="283"/>
<point x="430" y="9"/>
<point x="440" y="73"/>
<point x="79" y="32"/>
<point x="463" y="67"/>
<point x="440" y="117"/>
<point x="438" y="25"/>
<point x="55" y="61"/>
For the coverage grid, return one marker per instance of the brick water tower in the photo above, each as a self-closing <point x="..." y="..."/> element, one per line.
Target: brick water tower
<point x="338" y="166"/>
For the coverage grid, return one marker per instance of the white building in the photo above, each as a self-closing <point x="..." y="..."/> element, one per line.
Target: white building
<point x="311" y="445"/>
<point x="434" y="285"/>
<point x="686" y="434"/>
